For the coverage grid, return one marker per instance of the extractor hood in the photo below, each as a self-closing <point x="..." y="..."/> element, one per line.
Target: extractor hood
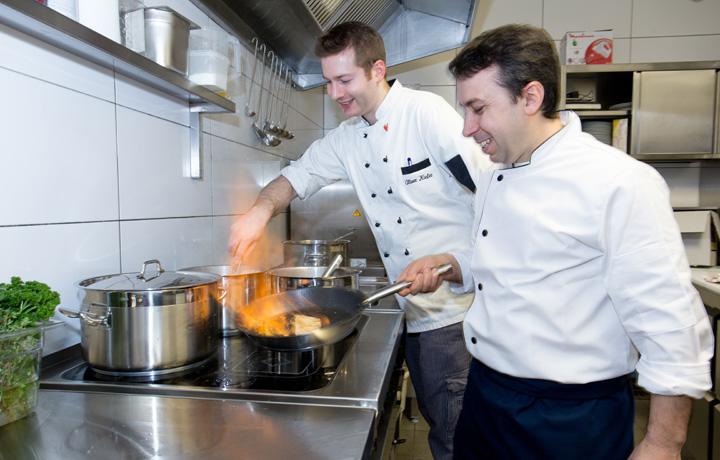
<point x="411" y="28"/>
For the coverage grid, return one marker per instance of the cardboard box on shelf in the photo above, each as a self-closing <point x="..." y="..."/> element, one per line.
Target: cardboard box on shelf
<point x="699" y="229"/>
<point x="587" y="47"/>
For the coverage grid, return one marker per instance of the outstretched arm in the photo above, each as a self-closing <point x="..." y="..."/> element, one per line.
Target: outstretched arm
<point x="247" y="229"/>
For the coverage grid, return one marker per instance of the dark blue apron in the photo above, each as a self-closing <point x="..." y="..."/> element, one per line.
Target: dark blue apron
<point x="505" y="417"/>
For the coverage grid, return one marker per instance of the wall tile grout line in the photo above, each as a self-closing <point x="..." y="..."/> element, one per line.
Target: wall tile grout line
<point x="117" y="173"/>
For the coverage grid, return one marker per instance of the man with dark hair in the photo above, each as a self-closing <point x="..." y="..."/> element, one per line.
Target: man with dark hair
<point x="407" y="160"/>
<point x="579" y="272"/>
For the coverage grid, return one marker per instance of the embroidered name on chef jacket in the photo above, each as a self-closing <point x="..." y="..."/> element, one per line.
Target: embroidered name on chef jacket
<point x="413" y="168"/>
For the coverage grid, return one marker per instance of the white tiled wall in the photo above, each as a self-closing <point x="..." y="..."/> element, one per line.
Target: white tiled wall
<point x="93" y="171"/>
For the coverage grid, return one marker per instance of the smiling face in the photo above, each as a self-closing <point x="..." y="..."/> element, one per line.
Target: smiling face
<point x="356" y="92"/>
<point x="492" y="118"/>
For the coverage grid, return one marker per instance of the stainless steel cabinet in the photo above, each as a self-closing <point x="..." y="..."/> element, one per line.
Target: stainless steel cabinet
<point x="699" y="444"/>
<point x="674" y="113"/>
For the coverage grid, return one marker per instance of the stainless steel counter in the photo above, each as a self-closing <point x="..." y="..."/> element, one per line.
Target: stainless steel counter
<point x="77" y="425"/>
<point x="362" y="379"/>
<point x="347" y="418"/>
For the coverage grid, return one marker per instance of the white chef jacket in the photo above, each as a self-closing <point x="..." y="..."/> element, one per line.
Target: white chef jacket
<point x="578" y="265"/>
<point x="412" y="202"/>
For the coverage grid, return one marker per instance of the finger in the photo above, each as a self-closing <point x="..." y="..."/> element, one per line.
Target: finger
<point x="248" y="250"/>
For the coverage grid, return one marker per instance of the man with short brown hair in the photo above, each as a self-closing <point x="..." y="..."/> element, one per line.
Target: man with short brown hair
<point x="579" y="272"/>
<point x="404" y="154"/>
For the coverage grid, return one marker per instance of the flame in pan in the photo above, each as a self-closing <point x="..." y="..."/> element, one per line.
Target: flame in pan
<point x="280" y="316"/>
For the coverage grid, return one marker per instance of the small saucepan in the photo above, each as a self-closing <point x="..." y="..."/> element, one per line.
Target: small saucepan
<point x="312" y="317"/>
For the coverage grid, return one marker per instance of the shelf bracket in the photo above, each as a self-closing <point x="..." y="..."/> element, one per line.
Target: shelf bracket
<point x="193" y="163"/>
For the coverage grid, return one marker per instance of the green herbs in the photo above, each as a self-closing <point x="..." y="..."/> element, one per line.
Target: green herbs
<point x="24" y="304"/>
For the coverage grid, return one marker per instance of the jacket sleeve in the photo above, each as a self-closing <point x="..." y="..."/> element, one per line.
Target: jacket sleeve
<point x="441" y="127"/>
<point x="649" y="282"/>
<point x="319" y="166"/>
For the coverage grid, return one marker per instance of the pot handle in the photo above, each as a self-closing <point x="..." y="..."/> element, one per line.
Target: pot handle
<point x="397" y="287"/>
<point x="223" y="293"/>
<point x="145" y="266"/>
<point x="91" y="319"/>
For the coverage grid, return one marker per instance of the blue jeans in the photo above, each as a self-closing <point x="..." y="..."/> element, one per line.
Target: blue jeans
<point x="438" y="362"/>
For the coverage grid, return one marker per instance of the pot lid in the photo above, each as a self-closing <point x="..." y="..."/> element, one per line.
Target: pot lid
<point x="149" y="279"/>
<point x="225" y="270"/>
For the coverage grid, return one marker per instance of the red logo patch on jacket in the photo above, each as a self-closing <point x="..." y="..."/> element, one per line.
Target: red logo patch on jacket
<point x="386" y="127"/>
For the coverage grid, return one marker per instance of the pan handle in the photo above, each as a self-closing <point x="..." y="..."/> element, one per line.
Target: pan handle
<point x="397" y="287"/>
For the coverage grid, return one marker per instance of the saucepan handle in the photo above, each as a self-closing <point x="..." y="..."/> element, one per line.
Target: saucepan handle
<point x="397" y="287"/>
<point x="91" y="319"/>
<point x="337" y="260"/>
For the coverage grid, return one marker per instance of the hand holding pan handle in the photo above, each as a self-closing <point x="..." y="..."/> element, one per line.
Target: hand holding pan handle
<point x="397" y="287"/>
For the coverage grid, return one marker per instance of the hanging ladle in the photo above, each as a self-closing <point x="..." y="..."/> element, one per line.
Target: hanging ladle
<point x="265" y="137"/>
<point x="248" y="111"/>
<point x="269" y="126"/>
<point x="274" y="127"/>
<point x="287" y="134"/>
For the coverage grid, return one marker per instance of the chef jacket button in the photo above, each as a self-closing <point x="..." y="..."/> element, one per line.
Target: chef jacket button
<point x="473" y="340"/>
<point x="364" y="135"/>
<point x="479" y="286"/>
<point x="407" y="253"/>
<point x="484" y="233"/>
<point x="385" y="158"/>
<point x="386" y="254"/>
<point x="377" y="224"/>
<point x="367" y="165"/>
<point x="500" y="177"/>
<point x="373" y="195"/>
<point x="399" y="221"/>
<point x="390" y="191"/>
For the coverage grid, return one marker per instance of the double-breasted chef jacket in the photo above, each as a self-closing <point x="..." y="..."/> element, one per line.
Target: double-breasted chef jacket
<point x="412" y="172"/>
<point x="580" y="273"/>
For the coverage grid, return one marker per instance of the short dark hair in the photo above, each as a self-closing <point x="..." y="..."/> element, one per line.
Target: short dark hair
<point x="366" y="41"/>
<point x="522" y="53"/>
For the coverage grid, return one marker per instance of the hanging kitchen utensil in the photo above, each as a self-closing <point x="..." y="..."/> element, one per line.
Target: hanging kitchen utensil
<point x="248" y="111"/>
<point x="326" y="315"/>
<point x="337" y="260"/>
<point x="268" y="126"/>
<point x="264" y="137"/>
<point x="287" y="134"/>
<point x="274" y="127"/>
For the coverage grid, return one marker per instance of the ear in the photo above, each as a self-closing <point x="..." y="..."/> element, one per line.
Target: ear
<point x="378" y="70"/>
<point x="533" y="96"/>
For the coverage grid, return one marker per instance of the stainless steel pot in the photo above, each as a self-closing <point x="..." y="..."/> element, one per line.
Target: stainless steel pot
<point x="288" y="278"/>
<point x="241" y="285"/>
<point x="149" y="323"/>
<point x="313" y="253"/>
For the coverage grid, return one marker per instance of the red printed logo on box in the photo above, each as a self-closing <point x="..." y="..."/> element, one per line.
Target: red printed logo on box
<point x="599" y="52"/>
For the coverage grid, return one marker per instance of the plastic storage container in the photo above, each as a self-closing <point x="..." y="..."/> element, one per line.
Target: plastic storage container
<point x="20" y="355"/>
<point x="208" y="62"/>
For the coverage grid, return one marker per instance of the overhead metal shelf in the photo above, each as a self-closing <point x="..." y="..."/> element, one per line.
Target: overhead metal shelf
<point x="52" y="27"/>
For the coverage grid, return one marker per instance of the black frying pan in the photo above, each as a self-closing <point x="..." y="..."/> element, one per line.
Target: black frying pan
<point x="340" y="305"/>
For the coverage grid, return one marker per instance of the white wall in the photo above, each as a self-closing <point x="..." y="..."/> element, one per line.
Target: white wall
<point x="92" y="165"/>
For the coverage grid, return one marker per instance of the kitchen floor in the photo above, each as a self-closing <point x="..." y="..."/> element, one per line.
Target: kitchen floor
<point x="415" y="431"/>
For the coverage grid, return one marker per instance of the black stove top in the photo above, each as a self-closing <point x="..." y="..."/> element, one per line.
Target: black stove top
<point x="240" y="363"/>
